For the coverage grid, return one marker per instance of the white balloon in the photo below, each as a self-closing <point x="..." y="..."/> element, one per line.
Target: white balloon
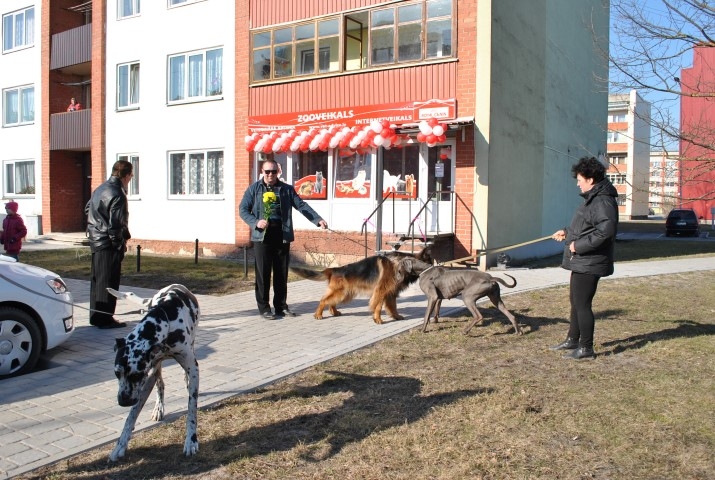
<point x="378" y="140"/>
<point x="438" y="130"/>
<point x="376" y="126"/>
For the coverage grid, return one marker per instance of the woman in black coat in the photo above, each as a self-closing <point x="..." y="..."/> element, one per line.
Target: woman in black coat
<point x="588" y="251"/>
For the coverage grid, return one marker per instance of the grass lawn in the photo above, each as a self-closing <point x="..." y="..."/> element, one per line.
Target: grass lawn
<point x="491" y="405"/>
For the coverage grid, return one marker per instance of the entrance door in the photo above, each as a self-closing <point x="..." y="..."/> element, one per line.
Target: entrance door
<point x="417" y="181"/>
<point x="440" y="187"/>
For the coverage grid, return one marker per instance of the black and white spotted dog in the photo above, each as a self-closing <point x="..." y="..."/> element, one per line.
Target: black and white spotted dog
<point x="168" y="330"/>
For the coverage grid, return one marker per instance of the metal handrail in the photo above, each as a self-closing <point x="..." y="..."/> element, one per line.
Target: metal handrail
<point x="411" y="227"/>
<point x="363" y="229"/>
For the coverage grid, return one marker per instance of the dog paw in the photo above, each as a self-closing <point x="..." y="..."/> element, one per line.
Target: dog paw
<point x="158" y="413"/>
<point x="191" y="447"/>
<point x="318" y="317"/>
<point x="117" y="453"/>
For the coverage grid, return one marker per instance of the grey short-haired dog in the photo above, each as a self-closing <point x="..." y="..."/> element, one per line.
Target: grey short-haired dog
<point x="439" y="283"/>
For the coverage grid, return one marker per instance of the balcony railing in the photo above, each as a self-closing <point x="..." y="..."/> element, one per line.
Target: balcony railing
<point x="71" y="47"/>
<point x="71" y="130"/>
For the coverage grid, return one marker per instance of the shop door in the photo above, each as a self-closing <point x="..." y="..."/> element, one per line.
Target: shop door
<point x="438" y="196"/>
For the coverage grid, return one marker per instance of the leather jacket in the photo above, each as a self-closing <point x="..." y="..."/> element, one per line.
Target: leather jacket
<point x="108" y="217"/>
<point x="593" y="231"/>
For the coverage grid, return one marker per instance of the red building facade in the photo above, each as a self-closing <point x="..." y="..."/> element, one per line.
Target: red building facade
<point x="697" y="126"/>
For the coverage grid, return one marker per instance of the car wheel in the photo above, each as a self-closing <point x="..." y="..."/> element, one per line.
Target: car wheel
<point x="20" y="342"/>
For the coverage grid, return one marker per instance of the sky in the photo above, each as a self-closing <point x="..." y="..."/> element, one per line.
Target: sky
<point x="655" y="9"/>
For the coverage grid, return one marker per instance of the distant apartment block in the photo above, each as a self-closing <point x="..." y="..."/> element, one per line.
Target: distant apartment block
<point x="664" y="189"/>
<point x="629" y="152"/>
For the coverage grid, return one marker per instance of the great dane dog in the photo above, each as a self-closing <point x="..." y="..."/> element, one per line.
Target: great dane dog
<point x="168" y="330"/>
<point x="439" y="283"/>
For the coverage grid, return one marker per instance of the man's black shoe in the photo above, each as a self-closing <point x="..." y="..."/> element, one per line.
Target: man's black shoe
<point x="581" y="353"/>
<point x="268" y="315"/>
<point x="286" y="312"/>
<point x="112" y="324"/>
<point x="568" y="344"/>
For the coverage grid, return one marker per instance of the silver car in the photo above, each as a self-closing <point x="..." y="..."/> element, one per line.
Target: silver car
<point x="36" y="314"/>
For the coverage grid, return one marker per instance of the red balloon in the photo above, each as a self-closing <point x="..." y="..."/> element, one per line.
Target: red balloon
<point x="432" y="122"/>
<point x="432" y="138"/>
<point x="385" y="124"/>
<point x="421" y="137"/>
<point x="442" y="138"/>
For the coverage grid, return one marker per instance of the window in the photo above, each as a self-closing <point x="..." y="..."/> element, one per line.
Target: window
<point x="128" y="85"/>
<point x="382" y="36"/>
<point x="621" y="199"/>
<point x="134" y="182"/>
<point x="618" y="117"/>
<point x="352" y="174"/>
<point x="128" y="8"/>
<point x="196" y="173"/>
<point x="173" y="3"/>
<point x="19" y="105"/>
<point x="310" y="170"/>
<point x="616" y="136"/>
<point x="617" y="159"/>
<point x="196" y="75"/>
<point x="616" y="178"/>
<point x="401" y="165"/>
<point x="325" y="43"/>
<point x="20" y="177"/>
<point x="18" y="29"/>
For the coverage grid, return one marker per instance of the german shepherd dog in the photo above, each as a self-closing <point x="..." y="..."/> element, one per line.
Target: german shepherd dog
<point x="384" y="276"/>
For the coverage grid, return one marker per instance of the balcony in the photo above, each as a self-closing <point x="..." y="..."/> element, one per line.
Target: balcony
<point x="72" y="50"/>
<point x="71" y="130"/>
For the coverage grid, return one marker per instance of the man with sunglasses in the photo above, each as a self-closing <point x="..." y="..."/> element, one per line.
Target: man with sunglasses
<point x="271" y="222"/>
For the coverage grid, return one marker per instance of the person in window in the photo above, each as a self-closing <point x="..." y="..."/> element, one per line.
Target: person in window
<point x="108" y="231"/>
<point x="74" y="106"/>
<point x="13" y="231"/>
<point x="588" y="251"/>
<point x="267" y="208"/>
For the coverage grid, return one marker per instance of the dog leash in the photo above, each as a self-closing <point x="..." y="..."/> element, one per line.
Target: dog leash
<point x="13" y="282"/>
<point x="496" y="250"/>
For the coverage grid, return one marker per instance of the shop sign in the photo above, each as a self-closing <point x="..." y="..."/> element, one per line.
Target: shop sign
<point x="395" y="113"/>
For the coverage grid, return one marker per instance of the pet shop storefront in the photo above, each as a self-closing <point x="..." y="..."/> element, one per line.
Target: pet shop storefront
<point x="346" y="161"/>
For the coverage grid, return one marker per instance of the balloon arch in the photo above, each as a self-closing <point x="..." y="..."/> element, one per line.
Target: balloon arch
<point x="376" y="134"/>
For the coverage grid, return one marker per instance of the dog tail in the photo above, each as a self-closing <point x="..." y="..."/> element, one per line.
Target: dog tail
<point x="503" y="282"/>
<point x="309" y="274"/>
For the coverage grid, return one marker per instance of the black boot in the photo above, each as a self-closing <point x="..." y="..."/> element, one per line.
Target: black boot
<point x="580" y="353"/>
<point x="568" y="344"/>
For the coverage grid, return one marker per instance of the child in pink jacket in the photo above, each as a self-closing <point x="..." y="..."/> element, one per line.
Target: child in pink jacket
<point x="13" y="231"/>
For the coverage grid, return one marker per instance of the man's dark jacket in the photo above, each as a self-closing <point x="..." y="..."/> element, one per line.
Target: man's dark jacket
<point x="108" y="217"/>
<point x="593" y="230"/>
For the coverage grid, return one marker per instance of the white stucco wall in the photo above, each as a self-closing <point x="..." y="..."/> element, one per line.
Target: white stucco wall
<point x="154" y="129"/>
<point x="546" y="111"/>
<point x="639" y="173"/>
<point x="20" y="68"/>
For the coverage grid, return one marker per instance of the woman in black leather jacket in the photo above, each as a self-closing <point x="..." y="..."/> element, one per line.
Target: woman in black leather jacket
<point x="588" y="251"/>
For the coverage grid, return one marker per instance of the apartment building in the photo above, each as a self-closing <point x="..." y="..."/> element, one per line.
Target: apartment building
<point x="664" y="193"/>
<point x="697" y="127"/>
<point x="629" y="153"/>
<point x="450" y="120"/>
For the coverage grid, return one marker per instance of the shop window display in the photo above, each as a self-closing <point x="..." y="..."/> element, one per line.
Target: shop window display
<point x="310" y="170"/>
<point x="352" y="174"/>
<point x="401" y="172"/>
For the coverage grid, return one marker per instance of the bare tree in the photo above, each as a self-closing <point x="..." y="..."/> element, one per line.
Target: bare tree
<point x="651" y="41"/>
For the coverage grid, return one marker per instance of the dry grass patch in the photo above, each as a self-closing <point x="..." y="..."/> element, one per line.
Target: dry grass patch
<point x="490" y="405"/>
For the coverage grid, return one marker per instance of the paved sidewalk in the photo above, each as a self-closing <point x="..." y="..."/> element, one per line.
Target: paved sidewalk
<point x="70" y="405"/>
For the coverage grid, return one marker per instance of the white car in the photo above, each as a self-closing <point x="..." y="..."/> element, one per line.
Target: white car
<point x="36" y="314"/>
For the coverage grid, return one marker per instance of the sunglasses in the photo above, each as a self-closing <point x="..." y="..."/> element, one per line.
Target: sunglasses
<point x="270" y="172"/>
